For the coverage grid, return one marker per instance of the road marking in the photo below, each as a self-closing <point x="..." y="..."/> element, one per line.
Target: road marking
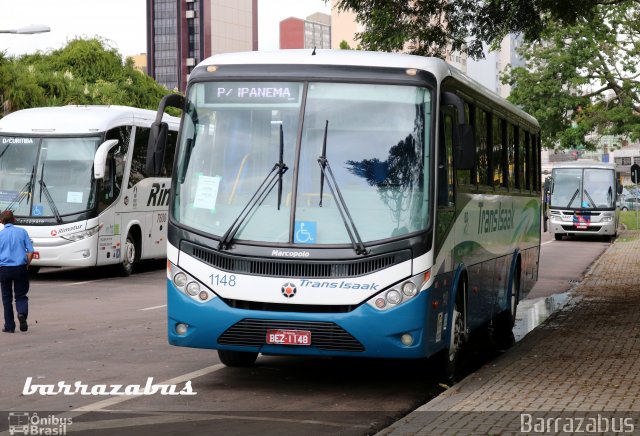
<point x="153" y="307"/>
<point x="101" y="405"/>
<point x="87" y="281"/>
<point x="548" y="242"/>
<point x="156" y="418"/>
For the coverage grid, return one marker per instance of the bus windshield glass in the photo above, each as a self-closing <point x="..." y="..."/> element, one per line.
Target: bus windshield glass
<point x="583" y="188"/>
<point x="374" y="138"/>
<point x="47" y="177"/>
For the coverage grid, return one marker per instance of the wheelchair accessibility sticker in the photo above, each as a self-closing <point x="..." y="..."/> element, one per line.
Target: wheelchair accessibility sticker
<point x="305" y="232"/>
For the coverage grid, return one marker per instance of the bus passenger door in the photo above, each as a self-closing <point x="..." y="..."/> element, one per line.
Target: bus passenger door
<point x="446" y="209"/>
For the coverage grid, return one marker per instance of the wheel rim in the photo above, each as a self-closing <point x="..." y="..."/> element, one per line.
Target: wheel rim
<point x="129" y="253"/>
<point x="456" y="334"/>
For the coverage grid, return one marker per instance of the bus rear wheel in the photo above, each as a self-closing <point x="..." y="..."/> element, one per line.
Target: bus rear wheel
<point x="128" y="256"/>
<point x="237" y="358"/>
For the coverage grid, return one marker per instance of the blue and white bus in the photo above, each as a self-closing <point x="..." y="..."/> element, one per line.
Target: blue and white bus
<point x="347" y="203"/>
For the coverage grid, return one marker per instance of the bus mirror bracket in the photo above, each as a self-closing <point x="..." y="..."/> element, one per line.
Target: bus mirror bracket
<point x="463" y="135"/>
<point x="156" y="146"/>
<point x="100" y="159"/>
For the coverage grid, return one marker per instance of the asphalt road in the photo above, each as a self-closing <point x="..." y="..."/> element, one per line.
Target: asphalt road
<point x="90" y="327"/>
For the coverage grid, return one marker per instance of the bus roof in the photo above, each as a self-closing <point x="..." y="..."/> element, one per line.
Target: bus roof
<point x="585" y="164"/>
<point x="438" y="67"/>
<point x="76" y="120"/>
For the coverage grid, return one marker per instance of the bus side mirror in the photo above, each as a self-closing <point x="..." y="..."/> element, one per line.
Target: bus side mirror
<point x="100" y="159"/>
<point x="158" y="135"/>
<point x="156" y="148"/>
<point x="464" y="147"/>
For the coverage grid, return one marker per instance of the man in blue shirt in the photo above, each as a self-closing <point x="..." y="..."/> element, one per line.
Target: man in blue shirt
<point x="16" y="252"/>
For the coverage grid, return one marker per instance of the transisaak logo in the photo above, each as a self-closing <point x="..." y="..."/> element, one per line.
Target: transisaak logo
<point x="289" y="290"/>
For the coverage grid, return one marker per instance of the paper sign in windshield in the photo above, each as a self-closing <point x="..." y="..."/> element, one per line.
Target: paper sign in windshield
<point x="74" y="197"/>
<point x="207" y="192"/>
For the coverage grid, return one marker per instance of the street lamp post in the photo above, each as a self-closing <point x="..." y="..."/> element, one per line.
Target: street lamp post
<point x="28" y="30"/>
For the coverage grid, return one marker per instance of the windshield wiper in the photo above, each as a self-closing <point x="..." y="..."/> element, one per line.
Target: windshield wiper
<point x="47" y="195"/>
<point x="326" y="172"/>
<point x="274" y="177"/>
<point x="589" y="197"/>
<point x="25" y="191"/>
<point x="575" y="194"/>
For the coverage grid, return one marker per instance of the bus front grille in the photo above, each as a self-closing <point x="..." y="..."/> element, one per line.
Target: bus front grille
<point x="294" y="268"/>
<point x="324" y="335"/>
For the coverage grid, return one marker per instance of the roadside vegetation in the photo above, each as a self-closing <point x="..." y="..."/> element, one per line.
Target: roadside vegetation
<point x="84" y="72"/>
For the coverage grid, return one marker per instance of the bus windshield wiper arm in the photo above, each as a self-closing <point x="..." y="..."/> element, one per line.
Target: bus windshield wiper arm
<point x="575" y="194"/>
<point x="267" y="185"/>
<point x="47" y="195"/>
<point x="326" y="173"/>
<point x="589" y="197"/>
<point x="24" y="192"/>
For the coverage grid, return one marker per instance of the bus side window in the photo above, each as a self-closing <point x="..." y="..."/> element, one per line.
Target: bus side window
<point x="482" y="166"/>
<point x="111" y="185"/>
<point x="139" y="156"/>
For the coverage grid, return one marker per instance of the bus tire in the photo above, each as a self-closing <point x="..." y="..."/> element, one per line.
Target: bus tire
<point x="128" y="256"/>
<point x="237" y="358"/>
<point x="504" y="322"/>
<point x="452" y="357"/>
<point x="558" y="236"/>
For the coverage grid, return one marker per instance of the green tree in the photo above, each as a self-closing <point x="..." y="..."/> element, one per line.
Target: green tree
<point x="430" y="27"/>
<point x="582" y="79"/>
<point x="82" y="72"/>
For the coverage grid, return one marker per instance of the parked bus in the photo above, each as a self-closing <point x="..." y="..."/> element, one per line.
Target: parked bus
<point x="582" y="200"/>
<point x="74" y="178"/>
<point x="347" y="203"/>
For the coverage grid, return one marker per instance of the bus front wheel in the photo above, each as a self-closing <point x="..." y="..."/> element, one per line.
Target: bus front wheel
<point x="558" y="236"/>
<point x="128" y="256"/>
<point x="453" y="355"/>
<point x="237" y="358"/>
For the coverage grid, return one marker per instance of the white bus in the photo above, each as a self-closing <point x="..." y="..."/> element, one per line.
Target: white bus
<point x="74" y="178"/>
<point x="347" y="203"/>
<point x="582" y="200"/>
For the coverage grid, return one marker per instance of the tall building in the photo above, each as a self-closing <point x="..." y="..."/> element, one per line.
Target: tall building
<point x="314" y="31"/>
<point x="181" y="33"/>
<point x="344" y="27"/>
<point x="487" y="71"/>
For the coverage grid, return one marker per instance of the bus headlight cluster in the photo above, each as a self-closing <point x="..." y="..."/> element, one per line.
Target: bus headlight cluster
<point x="398" y="294"/>
<point x="73" y="237"/>
<point x="607" y="219"/>
<point x="188" y="285"/>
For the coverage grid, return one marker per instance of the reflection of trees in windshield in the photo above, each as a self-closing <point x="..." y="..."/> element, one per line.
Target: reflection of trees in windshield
<point x="396" y="178"/>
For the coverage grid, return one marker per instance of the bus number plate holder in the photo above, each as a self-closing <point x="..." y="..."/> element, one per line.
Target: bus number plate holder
<point x="289" y="337"/>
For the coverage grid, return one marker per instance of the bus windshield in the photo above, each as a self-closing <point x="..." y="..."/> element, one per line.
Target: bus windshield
<point x="375" y="139"/>
<point x="47" y="177"/>
<point x="583" y="188"/>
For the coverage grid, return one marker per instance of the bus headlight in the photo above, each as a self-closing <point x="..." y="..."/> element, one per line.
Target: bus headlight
<point x="607" y="219"/>
<point x="180" y="280"/>
<point x="83" y="234"/>
<point x="394" y="297"/>
<point x="188" y="285"/>
<point x="400" y="293"/>
<point x="409" y="289"/>
<point x="193" y="288"/>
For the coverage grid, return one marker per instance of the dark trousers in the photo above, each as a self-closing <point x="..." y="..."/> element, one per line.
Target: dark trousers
<point x="14" y="280"/>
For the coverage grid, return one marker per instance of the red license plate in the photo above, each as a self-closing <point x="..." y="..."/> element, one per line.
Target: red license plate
<point x="289" y="337"/>
<point x="36" y="255"/>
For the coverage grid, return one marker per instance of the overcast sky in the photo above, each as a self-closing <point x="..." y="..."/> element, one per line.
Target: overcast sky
<point x="122" y="22"/>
